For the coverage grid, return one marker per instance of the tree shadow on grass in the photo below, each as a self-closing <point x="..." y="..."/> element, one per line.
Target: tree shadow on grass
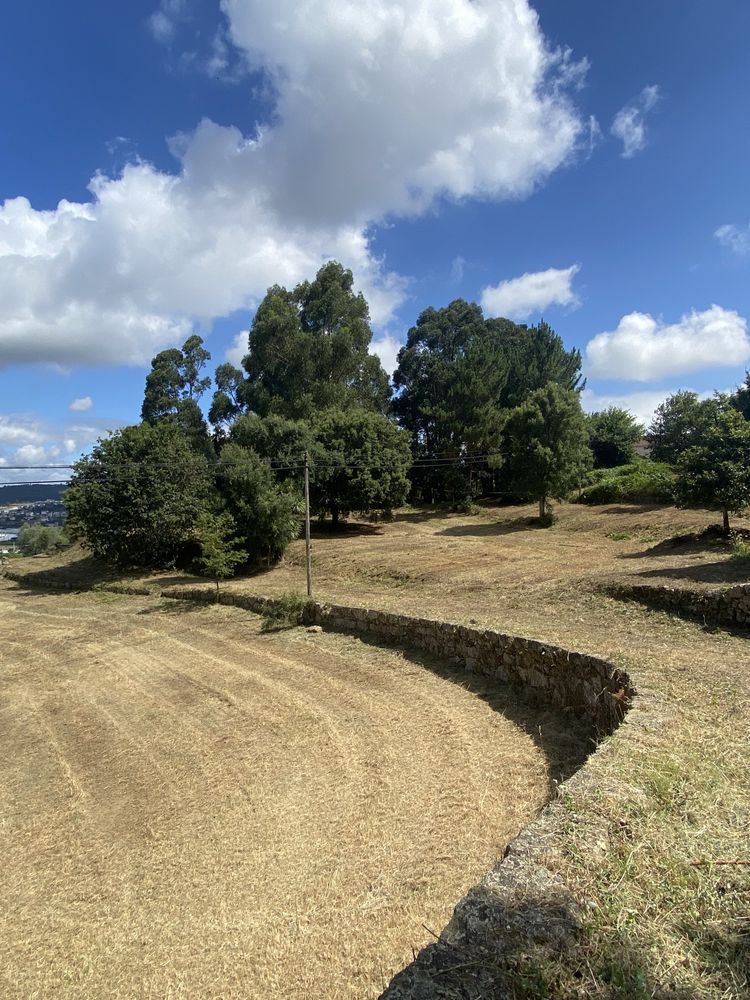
<point x="727" y="571"/>
<point x="173" y="609"/>
<point x="491" y="530"/>
<point x="634" y="508"/>
<point x="419" y="515"/>
<point x="709" y="541"/>
<point x="565" y="740"/>
<point x="344" y="529"/>
<point x="520" y="943"/>
<point x="81" y="573"/>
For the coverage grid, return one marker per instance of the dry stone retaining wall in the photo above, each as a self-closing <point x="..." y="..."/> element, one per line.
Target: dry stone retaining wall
<point x="589" y="687"/>
<point x="723" y="606"/>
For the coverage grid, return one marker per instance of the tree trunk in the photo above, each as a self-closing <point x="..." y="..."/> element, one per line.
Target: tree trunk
<point x="725" y="514"/>
<point x="542" y="506"/>
<point x="335" y="516"/>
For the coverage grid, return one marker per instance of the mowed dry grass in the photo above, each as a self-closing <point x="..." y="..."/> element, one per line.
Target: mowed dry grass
<point x="661" y="919"/>
<point x="448" y="565"/>
<point x="194" y="808"/>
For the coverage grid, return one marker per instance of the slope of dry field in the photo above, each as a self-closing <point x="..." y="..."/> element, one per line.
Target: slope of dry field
<point x="662" y="919"/>
<point x="193" y="808"/>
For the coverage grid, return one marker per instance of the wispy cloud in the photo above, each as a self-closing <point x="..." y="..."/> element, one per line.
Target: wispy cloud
<point x="629" y="125"/>
<point x="82" y="404"/>
<point x="736" y="238"/>
<point x="165" y="19"/>
<point x="458" y="267"/>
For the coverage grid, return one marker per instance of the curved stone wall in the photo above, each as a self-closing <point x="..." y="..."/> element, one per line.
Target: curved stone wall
<point x="720" y="605"/>
<point x="587" y="686"/>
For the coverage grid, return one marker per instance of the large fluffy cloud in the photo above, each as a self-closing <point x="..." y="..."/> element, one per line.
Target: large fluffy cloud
<point x="380" y="109"/>
<point x="518" y="298"/>
<point x="644" y="349"/>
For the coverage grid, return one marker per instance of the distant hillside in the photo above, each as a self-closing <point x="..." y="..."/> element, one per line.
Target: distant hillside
<point x="25" y="494"/>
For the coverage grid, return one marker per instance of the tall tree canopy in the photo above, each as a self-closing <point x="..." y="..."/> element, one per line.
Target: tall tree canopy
<point x="175" y="376"/>
<point x="740" y="398"/>
<point x="548" y="443"/>
<point x="173" y="387"/>
<point x="227" y="400"/>
<point x="678" y="423"/>
<point x="714" y="472"/>
<point x="451" y="374"/>
<point x="536" y="356"/>
<point x="459" y="374"/>
<point x="308" y="350"/>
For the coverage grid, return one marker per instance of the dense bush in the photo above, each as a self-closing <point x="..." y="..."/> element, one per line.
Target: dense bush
<point x="613" y="435"/>
<point x="642" y="481"/>
<point x="267" y="514"/>
<point x="136" y="499"/>
<point x="38" y="539"/>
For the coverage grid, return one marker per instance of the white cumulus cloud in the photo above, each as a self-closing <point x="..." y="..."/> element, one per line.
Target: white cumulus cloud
<point x="737" y="238"/>
<point x="641" y="404"/>
<point x="237" y="350"/>
<point x="380" y="110"/>
<point x="387" y="348"/>
<point x="82" y="404"/>
<point x="27" y="440"/>
<point x="518" y="298"/>
<point x="644" y="349"/>
<point x="629" y="125"/>
<point x="18" y="431"/>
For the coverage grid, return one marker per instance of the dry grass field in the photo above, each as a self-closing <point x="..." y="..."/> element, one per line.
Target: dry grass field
<point x="665" y="886"/>
<point x="193" y="808"/>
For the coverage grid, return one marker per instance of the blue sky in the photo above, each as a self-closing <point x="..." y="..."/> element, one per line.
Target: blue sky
<point x="164" y="162"/>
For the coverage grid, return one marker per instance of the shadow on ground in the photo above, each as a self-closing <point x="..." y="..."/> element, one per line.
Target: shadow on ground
<point x="491" y="530"/>
<point x="564" y="740"/>
<point x="174" y="609"/>
<point x="636" y="508"/>
<point x="726" y="571"/>
<point x="325" y="529"/>
<point x="84" y="572"/>
<point x="529" y="950"/>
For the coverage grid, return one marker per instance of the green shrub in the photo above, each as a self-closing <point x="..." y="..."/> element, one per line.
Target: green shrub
<point x="643" y="481"/>
<point x="286" y="611"/>
<point x="39" y="539"/>
<point x="466" y="506"/>
<point x="740" y="549"/>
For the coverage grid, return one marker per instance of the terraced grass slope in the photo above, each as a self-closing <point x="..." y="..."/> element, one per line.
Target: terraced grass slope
<point x="192" y="808"/>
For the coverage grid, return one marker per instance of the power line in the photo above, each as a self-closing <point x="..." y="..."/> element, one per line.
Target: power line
<point x="277" y="464"/>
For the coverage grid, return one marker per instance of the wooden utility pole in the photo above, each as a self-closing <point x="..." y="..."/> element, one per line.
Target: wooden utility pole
<point x="308" y="561"/>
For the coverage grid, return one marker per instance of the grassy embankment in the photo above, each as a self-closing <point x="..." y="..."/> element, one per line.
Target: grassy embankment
<point x="665" y="888"/>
